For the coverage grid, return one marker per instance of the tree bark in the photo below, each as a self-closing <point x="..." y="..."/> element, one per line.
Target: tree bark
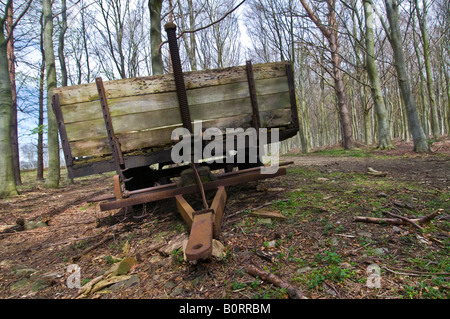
<point x="12" y="76"/>
<point x="53" y="176"/>
<point x="155" y="36"/>
<point x="435" y="129"/>
<point x="7" y="181"/>
<point x="40" y="146"/>
<point x="422" y="82"/>
<point x="331" y="34"/>
<point x="384" y="136"/>
<point x="62" y="34"/>
<point x="395" y="38"/>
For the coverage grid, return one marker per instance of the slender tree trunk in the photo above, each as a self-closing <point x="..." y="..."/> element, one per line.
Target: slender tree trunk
<point x="422" y="81"/>
<point x="40" y="146"/>
<point x="426" y="56"/>
<point x="12" y="76"/>
<point x="61" y="56"/>
<point x="85" y="45"/>
<point x="7" y="181"/>
<point x="447" y="82"/>
<point x="340" y="94"/>
<point x="62" y="34"/>
<point x="53" y="176"/>
<point x="155" y="36"/>
<point x="331" y="34"/>
<point x="384" y="137"/>
<point x="420" y="140"/>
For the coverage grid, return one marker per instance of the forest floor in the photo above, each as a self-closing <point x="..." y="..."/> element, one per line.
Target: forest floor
<point x="315" y="246"/>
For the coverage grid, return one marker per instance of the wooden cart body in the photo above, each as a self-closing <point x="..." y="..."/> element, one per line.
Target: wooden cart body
<point x="144" y="111"/>
<point x="126" y="126"/>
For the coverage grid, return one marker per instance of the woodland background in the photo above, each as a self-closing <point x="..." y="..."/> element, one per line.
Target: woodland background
<point x="366" y="72"/>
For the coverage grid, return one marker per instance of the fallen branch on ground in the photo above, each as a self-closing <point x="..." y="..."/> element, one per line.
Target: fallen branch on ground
<point x="371" y="171"/>
<point x="398" y="220"/>
<point x="412" y="222"/>
<point x="293" y="292"/>
<point x="87" y="250"/>
<point x="414" y="272"/>
<point x="256" y="208"/>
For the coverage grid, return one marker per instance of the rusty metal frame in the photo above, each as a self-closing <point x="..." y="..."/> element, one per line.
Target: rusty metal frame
<point x="204" y="224"/>
<point x="63" y="135"/>
<point x="167" y="191"/>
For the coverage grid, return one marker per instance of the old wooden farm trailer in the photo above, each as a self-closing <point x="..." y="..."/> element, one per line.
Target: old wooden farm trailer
<point x="126" y="126"/>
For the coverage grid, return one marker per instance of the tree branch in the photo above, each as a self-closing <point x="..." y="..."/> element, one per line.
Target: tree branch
<point x="206" y="26"/>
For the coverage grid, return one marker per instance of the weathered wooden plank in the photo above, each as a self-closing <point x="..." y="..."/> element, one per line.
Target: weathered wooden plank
<point x="95" y="128"/>
<point x="165" y="82"/>
<point x="162" y="136"/>
<point x="154" y="102"/>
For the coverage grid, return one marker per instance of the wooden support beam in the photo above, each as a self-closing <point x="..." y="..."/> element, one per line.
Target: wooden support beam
<point x="185" y="210"/>
<point x="218" y="205"/>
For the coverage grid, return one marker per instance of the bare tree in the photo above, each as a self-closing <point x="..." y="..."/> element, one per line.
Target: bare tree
<point x="330" y="32"/>
<point x="155" y="7"/>
<point x="53" y="176"/>
<point x="384" y="136"/>
<point x="7" y="181"/>
<point x="395" y="38"/>
<point x="422" y="18"/>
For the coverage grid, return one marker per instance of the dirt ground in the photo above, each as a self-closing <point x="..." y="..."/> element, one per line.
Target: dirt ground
<point x="317" y="247"/>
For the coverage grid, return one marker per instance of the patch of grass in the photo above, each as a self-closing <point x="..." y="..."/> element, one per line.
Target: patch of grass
<point x="111" y="260"/>
<point x="177" y="256"/>
<point x="273" y="293"/>
<point x="343" y="152"/>
<point x="435" y="288"/>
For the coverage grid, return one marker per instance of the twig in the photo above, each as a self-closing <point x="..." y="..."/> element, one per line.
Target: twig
<point x="414" y="273"/>
<point x="293" y="292"/>
<point x="255" y="208"/>
<point x="423" y="273"/>
<point x="87" y="250"/>
<point x="404" y="219"/>
<point x="204" y="27"/>
<point x="399" y="220"/>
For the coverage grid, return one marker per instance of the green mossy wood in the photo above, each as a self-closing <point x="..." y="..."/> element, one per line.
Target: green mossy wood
<point x="145" y="111"/>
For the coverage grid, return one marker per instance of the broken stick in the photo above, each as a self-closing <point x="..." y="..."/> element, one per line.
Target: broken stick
<point x="412" y="222"/>
<point x="292" y="291"/>
<point x="87" y="250"/>
<point x="399" y="220"/>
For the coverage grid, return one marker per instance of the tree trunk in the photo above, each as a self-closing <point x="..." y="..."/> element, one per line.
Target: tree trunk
<point x="426" y="56"/>
<point x="40" y="146"/>
<point x="330" y="32"/>
<point x="384" y="137"/>
<point x="419" y="138"/>
<point x="7" y="181"/>
<point x="62" y="58"/>
<point x="62" y="34"/>
<point x="422" y="81"/>
<point x="52" y="180"/>
<point x="155" y="36"/>
<point x="85" y="44"/>
<point x="12" y="76"/>
<point x="447" y="82"/>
